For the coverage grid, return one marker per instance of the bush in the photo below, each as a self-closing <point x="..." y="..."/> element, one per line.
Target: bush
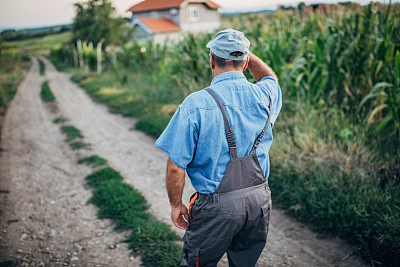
<point x="152" y="124"/>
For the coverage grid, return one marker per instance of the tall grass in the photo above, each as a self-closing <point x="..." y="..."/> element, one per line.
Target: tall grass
<point x="13" y="68"/>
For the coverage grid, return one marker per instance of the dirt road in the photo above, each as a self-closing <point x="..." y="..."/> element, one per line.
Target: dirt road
<point x="45" y="219"/>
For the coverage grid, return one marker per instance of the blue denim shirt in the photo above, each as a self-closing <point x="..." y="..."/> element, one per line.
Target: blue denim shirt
<point x="195" y="137"/>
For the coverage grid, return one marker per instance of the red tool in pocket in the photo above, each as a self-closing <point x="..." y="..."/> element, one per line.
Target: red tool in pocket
<point x="191" y="204"/>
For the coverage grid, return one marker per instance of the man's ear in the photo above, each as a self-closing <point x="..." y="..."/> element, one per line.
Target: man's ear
<point x="247" y="63"/>
<point x="212" y="62"/>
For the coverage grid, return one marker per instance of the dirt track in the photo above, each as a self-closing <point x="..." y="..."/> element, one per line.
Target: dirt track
<point x="44" y="217"/>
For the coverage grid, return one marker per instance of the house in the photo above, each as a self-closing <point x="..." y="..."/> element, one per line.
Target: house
<point x="324" y="8"/>
<point x="160" y="19"/>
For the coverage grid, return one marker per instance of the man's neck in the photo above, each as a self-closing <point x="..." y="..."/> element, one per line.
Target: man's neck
<point x="218" y="71"/>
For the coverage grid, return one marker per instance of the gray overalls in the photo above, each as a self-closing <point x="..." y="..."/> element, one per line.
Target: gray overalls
<point x="235" y="218"/>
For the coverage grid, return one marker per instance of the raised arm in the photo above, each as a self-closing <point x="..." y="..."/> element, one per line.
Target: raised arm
<point x="259" y="69"/>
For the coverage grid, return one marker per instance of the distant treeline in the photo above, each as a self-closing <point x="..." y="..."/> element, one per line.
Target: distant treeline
<point x="15" y="35"/>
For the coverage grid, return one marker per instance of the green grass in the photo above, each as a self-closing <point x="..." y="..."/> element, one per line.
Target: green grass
<point x="94" y="161"/>
<point x="42" y="67"/>
<point x="46" y="93"/>
<point x="126" y="100"/>
<point x="153" y="240"/>
<point x="102" y="175"/>
<point x="71" y="132"/>
<point x="13" y="68"/>
<point x="78" y="145"/>
<point x="60" y="120"/>
<point x="37" y="46"/>
<point x="152" y="124"/>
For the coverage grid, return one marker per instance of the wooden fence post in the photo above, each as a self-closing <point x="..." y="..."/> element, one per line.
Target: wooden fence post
<point x="79" y="46"/>
<point x="99" y="44"/>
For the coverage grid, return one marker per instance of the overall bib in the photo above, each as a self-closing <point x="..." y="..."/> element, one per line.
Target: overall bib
<point x="235" y="218"/>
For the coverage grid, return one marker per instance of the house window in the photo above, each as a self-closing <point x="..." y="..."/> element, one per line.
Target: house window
<point x="153" y="14"/>
<point x="173" y="11"/>
<point x="193" y="13"/>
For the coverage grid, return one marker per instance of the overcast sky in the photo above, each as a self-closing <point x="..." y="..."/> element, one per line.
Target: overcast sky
<point x="34" y="13"/>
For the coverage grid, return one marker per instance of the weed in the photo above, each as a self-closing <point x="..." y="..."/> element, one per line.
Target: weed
<point x="46" y="93"/>
<point x="78" y="145"/>
<point x="71" y="132"/>
<point x="60" y="120"/>
<point x="41" y="67"/>
<point x="152" y="124"/>
<point x="13" y="68"/>
<point x="94" y="161"/>
<point x="102" y="175"/>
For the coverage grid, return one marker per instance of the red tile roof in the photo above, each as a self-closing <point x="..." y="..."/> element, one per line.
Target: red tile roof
<point x="160" y="24"/>
<point x="148" y="5"/>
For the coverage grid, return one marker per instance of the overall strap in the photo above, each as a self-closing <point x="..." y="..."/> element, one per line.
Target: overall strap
<point x="228" y="130"/>
<point x="261" y="135"/>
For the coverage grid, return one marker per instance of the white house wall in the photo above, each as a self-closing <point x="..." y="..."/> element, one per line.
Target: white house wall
<point x="209" y="20"/>
<point x="160" y="38"/>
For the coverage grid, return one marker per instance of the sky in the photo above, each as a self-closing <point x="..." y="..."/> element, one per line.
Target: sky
<point x="37" y="13"/>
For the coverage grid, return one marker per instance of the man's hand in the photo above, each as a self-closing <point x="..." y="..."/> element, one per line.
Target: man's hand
<point x="179" y="216"/>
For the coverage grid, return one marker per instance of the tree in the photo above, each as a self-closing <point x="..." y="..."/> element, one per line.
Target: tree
<point x="95" y="20"/>
<point x="1" y="45"/>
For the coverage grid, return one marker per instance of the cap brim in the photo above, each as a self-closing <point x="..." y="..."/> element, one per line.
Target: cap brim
<point x="209" y="44"/>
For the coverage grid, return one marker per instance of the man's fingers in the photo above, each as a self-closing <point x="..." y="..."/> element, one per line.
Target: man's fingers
<point x="181" y="223"/>
<point x="179" y="216"/>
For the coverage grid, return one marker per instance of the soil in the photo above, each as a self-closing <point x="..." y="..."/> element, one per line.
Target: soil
<point x="45" y="219"/>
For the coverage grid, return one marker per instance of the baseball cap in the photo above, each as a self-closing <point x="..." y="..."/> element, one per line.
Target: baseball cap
<point x="227" y="41"/>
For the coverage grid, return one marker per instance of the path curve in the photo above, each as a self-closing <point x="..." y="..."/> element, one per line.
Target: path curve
<point x="134" y="155"/>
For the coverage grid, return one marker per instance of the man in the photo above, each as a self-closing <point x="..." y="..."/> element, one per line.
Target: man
<point x="221" y="137"/>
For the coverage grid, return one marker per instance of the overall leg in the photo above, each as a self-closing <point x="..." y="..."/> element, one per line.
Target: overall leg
<point x="208" y="235"/>
<point x="248" y="244"/>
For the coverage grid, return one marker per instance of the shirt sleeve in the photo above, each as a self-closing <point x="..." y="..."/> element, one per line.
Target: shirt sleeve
<point x="179" y="139"/>
<point x="271" y="85"/>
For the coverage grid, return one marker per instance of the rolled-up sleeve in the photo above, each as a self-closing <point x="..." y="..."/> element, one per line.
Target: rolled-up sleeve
<point x="271" y="85"/>
<point x="179" y="139"/>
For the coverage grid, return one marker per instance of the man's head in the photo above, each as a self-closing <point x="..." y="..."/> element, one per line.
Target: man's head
<point x="229" y="50"/>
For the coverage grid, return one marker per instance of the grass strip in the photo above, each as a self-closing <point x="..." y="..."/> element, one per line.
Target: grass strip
<point x="42" y="67"/>
<point x="60" y="120"/>
<point x="46" y="94"/>
<point x="150" y="238"/>
<point x="71" y="132"/>
<point x="102" y="175"/>
<point x="78" y="145"/>
<point x="94" y="161"/>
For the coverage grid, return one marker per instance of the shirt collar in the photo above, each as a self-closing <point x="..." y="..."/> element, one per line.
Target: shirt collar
<point x="229" y="75"/>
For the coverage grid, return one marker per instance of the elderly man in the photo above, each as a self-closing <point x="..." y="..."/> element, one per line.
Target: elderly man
<point x="221" y="137"/>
